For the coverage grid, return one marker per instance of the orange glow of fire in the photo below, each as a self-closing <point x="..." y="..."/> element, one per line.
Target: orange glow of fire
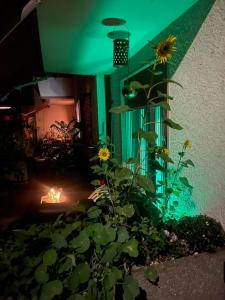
<point x="54" y="196"/>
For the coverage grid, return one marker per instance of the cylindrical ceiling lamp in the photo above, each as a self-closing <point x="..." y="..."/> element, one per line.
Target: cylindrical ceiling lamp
<point x="120" y="52"/>
<point x="120" y="47"/>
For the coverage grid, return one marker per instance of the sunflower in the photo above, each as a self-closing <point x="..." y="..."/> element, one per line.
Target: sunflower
<point x="104" y="154"/>
<point x="187" y="144"/>
<point x="165" y="49"/>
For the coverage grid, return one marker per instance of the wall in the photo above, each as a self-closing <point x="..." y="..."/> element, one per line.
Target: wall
<point x="199" y="108"/>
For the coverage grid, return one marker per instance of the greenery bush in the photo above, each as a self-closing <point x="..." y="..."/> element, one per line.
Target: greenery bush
<point x="88" y="256"/>
<point x="201" y="232"/>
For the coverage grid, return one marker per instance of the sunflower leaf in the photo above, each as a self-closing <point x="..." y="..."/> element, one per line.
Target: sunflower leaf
<point x="120" y="109"/>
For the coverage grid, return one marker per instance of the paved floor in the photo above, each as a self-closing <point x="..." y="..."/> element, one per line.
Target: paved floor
<point x="199" y="277"/>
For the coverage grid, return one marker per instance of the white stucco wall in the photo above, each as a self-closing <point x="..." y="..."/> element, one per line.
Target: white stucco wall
<point x="200" y="109"/>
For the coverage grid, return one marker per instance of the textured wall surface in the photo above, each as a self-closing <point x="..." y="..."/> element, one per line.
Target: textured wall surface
<point x="200" y="109"/>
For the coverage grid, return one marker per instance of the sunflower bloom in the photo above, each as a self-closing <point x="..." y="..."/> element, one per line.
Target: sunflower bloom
<point x="165" y="49"/>
<point x="188" y="144"/>
<point x="166" y="151"/>
<point x="104" y="153"/>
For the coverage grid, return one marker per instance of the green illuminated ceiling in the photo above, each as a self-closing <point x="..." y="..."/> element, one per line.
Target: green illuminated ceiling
<point x="74" y="41"/>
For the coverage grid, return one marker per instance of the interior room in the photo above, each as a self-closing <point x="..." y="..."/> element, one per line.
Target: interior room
<point x="112" y="149"/>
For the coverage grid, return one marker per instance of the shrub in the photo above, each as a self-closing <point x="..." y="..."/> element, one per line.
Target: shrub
<point x="202" y="233"/>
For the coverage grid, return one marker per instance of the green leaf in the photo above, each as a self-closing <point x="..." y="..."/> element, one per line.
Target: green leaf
<point x="97" y="169"/>
<point x="103" y="235"/>
<point x="50" y="257"/>
<point x="181" y="154"/>
<point x="151" y="274"/>
<point x="123" y="173"/>
<point x="51" y="289"/>
<point x="58" y="240"/>
<point x="165" y="157"/>
<point x="120" y="109"/>
<point x="94" y="212"/>
<point x="109" y="254"/>
<point x="165" y="105"/>
<point x="146" y="183"/>
<point x="81" y="242"/>
<point x="126" y="210"/>
<point x="166" y="96"/>
<point x="132" y="160"/>
<point x="190" y="162"/>
<point x="175" y="203"/>
<point x="172" y="124"/>
<point x="113" y="275"/>
<point x="80" y="275"/>
<point x="137" y="85"/>
<point x="149" y="136"/>
<point x="185" y="182"/>
<point x="123" y="235"/>
<point x="67" y="264"/>
<point x="93" y="158"/>
<point x="92" y="290"/>
<point x="41" y="274"/>
<point x="96" y="182"/>
<point x="131" y="248"/>
<point x="130" y="288"/>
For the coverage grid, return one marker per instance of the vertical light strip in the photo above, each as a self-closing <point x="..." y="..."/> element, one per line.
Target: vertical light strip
<point x="143" y="149"/>
<point x="101" y="105"/>
<point x="158" y="130"/>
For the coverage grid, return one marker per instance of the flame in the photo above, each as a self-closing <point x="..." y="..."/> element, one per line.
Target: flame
<point x="54" y="196"/>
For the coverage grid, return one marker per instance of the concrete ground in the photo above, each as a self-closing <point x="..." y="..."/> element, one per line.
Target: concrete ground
<point x="199" y="277"/>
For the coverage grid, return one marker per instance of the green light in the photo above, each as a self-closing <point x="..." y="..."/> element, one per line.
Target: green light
<point x="100" y="85"/>
<point x="158" y="130"/>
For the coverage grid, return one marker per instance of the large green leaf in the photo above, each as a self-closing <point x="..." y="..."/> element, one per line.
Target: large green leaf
<point x="123" y="235"/>
<point x="172" y="124"/>
<point x="104" y="235"/>
<point x="80" y="275"/>
<point x="50" y="257"/>
<point x="145" y="182"/>
<point x="81" y="243"/>
<point x="126" y="210"/>
<point x="94" y="212"/>
<point x="51" y="289"/>
<point x="131" y="248"/>
<point x="58" y="240"/>
<point x="149" y="136"/>
<point x="120" y="109"/>
<point x="109" y="254"/>
<point x="41" y="274"/>
<point x="130" y="288"/>
<point x="123" y="173"/>
<point x="151" y="274"/>
<point x="113" y="275"/>
<point x="67" y="264"/>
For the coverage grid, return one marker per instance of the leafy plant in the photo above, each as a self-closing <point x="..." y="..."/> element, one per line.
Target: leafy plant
<point x="202" y="233"/>
<point x="87" y="258"/>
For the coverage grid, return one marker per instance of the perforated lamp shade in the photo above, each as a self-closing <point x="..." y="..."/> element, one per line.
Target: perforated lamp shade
<point x="120" y="52"/>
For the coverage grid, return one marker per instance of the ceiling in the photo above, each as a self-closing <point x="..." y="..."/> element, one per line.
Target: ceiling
<point x="74" y="40"/>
